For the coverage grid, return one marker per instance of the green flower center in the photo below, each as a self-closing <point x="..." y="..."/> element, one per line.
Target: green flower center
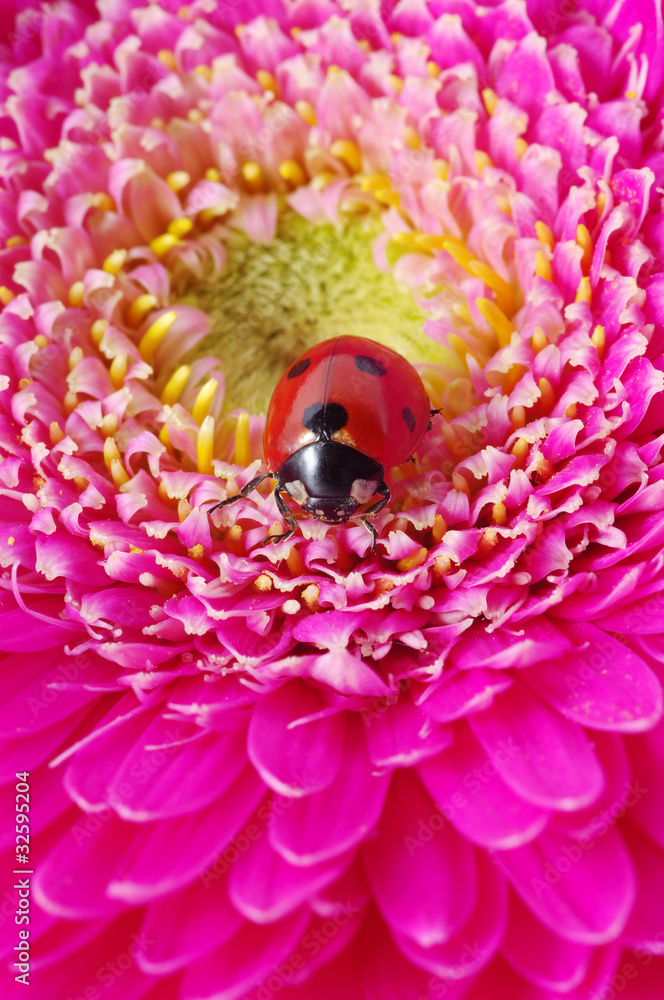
<point x="275" y="300"/>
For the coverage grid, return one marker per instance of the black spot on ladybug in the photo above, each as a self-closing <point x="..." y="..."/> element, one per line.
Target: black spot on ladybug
<point x="370" y="365"/>
<point x="299" y="368"/>
<point x="326" y="420"/>
<point x="409" y="417"/>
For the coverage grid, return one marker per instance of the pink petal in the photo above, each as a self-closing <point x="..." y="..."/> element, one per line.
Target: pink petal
<point x="539" y="954"/>
<point x="474" y="944"/>
<point x="644" y="931"/>
<point x="295" y="760"/>
<point x="325" y="824"/>
<point x="401" y="735"/>
<point x="564" y="883"/>
<point x="436" y="889"/>
<point x="601" y="684"/>
<point x="468" y="788"/>
<point x="167" y="854"/>
<point x="550" y="761"/>
<point x="246" y="958"/>
<point x="461" y="692"/>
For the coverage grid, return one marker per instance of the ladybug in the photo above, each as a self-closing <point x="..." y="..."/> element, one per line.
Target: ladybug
<point x="343" y="411"/>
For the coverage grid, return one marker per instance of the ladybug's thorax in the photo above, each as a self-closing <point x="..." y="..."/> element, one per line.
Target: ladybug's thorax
<point x="330" y="480"/>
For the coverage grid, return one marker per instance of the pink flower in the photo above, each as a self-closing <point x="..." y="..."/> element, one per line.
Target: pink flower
<point x="305" y="770"/>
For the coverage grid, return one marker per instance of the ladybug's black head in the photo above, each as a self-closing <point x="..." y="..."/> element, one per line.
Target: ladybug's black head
<point x="330" y="480"/>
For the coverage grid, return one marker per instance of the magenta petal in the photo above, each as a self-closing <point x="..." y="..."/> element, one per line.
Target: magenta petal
<point x="468" y="788"/>
<point x="437" y="885"/>
<point x="325" y="824"/>
<point x="564" y="883"/>
<point x="264" y="887"/>
<point x="295" y="760"/>
<point x="245" y="959"/>
<point x="550" y="760"/>
<point x="168" y="854"/>
<point x="539" y="954"/>
<point x="477" y="941"/>
<point x="461" y="692"/>
<point x="644" y="931"/>
<point x="71" y="881"/>
<point x="603" y="684"/>
<point x="401" y="735"/>
<point x="188" y="924"/>
<point x="646" y="755"/>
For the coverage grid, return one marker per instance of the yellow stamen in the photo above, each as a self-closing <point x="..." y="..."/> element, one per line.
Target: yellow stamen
<point x="175" y="385"/>
<point x="70" y="402"/>
<point x="204" y="71"/>
<point x="584" y="291"/>
<point x="584" y="240"/>
<point x="412" y="137"/>
<point x="482" y="160"/>
<point x="499" y="513"/>
<point x="295" y="562"/>
<point x="538" y="340"/>
<point x="439" y="528"/>
<point x="503" y="290"/>
<point x="544" y="234"/>
<point x="460" y="484"/>
<point x="253" y="176"/>
<point x="165" y="438"/>
<point x="111" y="451"/>
<point x="414" y="559"/>
<point x="306" y="111"/>
<point x="195" y="115"/>
<point x="55" y="433"/>
<point x="162" y="244"/>
<point x="375" y="182"/>
<point x="490" y="99"/>
<point x="292" y="172"/>
<point x="631" y="95"/>
<point x="154" y="335"/>
<point x="76" y="293"/>
<point x="518" y="417"/>
<point x="212" y="174"/>
<point x="118" y="370"/>
<point x="321" y="180"/>
<point x="103" y="201"/>
<point x="115" y="261"/>
<point x="184" y="509"/>
<point x="388" y="197"/>
<point x="496" y="319"/>
<point x="520" y="147"/>
<point x="242" y="450"/>
<point x="433" y="69"/>
<point x="118" y="473"/>
<point x="16" y="241"/>
<point x="41" y="341"/>
<point x="166" y="57"/>
<point x="543" y="266"/>
<point x="441" y="169"/>
<point x="97" y="330"/>
<point x="109" y="425"/>
<point x="180" y="227"/>
<point x="310" y="597"/>
<point x="201" y="407"/>
<point x="407" y="239"/>
<point x="520" y="452"/>
<point x="263" y="583"/>
<point x="430" y="241"/>
<point x="6" y="295"/>
<point x="205" y="446"/>
<point x="267" y="81"/>
<point x="140" y="307"/>
<point x="75" y="356"/>
<point x="349" y="152"/>
<point x="570" y="411"/>
<point x="599" y="340"/>
<point x="397" y="82"/>
<point x="459" y="253"/>
<point x="177" y="180"/>
<point x="548" y="397"/>
<point x="601" y="203"/>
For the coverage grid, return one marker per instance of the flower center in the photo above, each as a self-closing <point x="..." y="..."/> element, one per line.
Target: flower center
<point x="275" y="300"/>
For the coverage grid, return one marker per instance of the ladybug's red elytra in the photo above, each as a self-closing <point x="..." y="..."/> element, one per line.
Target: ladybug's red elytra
<point x="344" y="410"/>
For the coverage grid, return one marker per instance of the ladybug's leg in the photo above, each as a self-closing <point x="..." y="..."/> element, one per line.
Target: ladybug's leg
<point x="244" y="492"/>
<point x="287" y="516"/>
<point x="384" y="491"/>
<point x="432" y="414"/>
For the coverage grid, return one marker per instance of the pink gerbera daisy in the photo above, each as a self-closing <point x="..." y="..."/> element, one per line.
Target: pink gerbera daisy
<point x="307" y="770"/>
